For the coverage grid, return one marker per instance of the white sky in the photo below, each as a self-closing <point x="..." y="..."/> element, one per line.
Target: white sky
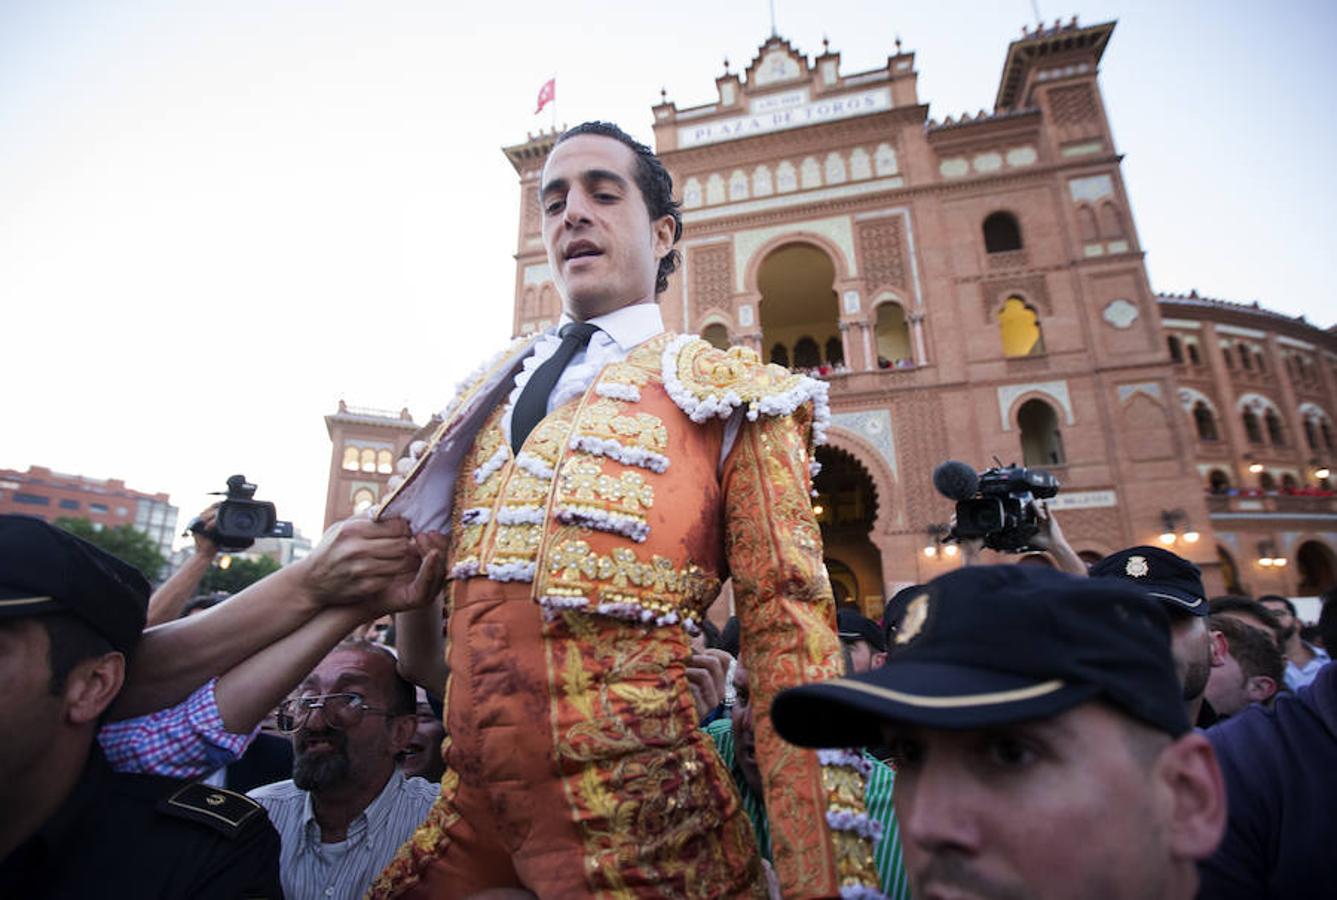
<point x="216" y="219"/>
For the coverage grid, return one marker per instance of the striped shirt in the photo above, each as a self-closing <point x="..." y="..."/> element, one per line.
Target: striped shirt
<point x="312" y="870"/>
<point x="877" y="798"/>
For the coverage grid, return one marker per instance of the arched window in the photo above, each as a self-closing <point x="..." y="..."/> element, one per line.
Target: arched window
<point x="1205" y="422"/>
<point x="1274" y="433"/>
<point x="717" y="335"/>
<point x="1218" y="482"/>
<point x="1227" y="356"/>
<point x="1041" y="442"/>
<point x="1229" y="572"/>
<point x="368" y="460"/>
<point x="780" y="356"/>
<point x="738" y="185"/>
<point x="1246" y="359"/>
<point x="1193" y="354"/>
<point x="761" y="182"/>
<point x="1310" y="437"/>
<point x="715" y="189"/>
<point x="1086" y="225"/>
<point x="884" y="159"/>
<point x="861" y="164"/>
<point x="385" y="462"/>
<point x="1258" y="362"/>
<point x="1267" y="482"/>
<point x="835" y="168"/>
<point x="1327" y="434"/>
<point x="350" y="458"/>
<point x="810" y="173"/>
<point x="362" y="498"/>
<point x="1176" y="350"/>
<point x="1020" y="329"/>
<point x="1111" y="223"/>
<point x="807" y="355"/>
<point x="799" y="308"/>
<point x="893" y="337"/>
<point x="1288" y="483"/>
<point x="1251" y="428"/>
<point x="1001" y="233"/>
<point x="835" y="351"/>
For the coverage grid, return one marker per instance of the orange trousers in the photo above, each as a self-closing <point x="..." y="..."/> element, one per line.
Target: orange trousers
<point x="575" y="767"/>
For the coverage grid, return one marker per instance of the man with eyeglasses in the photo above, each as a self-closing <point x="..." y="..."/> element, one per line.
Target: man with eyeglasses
<point x="347" y="808"/>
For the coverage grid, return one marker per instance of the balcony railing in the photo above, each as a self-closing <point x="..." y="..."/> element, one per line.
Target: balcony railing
<point x="1271" y="503"/>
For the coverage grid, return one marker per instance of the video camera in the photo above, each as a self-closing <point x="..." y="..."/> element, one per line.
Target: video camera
<point x="241" y="518"/>
<point x="998" y="504"/>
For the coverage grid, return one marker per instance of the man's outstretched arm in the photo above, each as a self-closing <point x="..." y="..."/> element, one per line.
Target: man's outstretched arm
<point x="356" y="560"/>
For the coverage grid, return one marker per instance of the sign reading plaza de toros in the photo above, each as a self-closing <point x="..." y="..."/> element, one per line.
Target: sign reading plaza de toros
<point x="778" y="112"/>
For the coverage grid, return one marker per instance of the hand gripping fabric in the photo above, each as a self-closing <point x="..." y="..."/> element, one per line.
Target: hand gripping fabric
<point x="532" y="404"/>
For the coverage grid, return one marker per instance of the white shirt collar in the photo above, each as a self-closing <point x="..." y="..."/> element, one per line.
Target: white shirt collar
<point x="628" y="326"/>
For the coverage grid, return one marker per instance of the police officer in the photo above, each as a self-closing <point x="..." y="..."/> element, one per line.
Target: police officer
<point x="1040" y="743"/>
<point x="70" y="617"/>
<point x="1177" y="584"/>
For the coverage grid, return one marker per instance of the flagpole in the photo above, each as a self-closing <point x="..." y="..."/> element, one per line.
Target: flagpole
<point x="554" y="103"/>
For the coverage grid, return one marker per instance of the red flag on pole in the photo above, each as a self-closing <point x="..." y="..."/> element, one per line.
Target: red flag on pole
<point x="547" y="94"/>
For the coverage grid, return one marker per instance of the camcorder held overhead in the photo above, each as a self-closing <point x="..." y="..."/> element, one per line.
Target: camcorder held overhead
<point x="996" y="505"/>
<point x="241" y="518"/>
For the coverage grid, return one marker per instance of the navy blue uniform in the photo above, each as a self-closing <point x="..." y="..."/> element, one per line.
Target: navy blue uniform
<point x="1280" y="767"/>
<point x="144" y="837"/>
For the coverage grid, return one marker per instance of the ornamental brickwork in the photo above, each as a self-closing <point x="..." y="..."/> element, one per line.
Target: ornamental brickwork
<point x="981" y="293"/>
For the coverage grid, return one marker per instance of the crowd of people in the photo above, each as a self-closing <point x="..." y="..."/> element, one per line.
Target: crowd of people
<point x="1020" y="731"/>
<point x="482" y="691"/>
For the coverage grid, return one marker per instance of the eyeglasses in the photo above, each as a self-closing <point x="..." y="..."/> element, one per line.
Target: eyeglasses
<point x="342" y="711"/>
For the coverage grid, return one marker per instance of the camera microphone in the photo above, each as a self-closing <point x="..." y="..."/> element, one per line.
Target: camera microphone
<point x="955" y="480"/>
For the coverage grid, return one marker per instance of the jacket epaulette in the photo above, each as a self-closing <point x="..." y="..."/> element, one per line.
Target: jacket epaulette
<point x="226" y="812"/>
<point x="706" y="382"/>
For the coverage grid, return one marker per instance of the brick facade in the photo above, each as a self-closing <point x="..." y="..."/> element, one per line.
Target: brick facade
<point x="989" y="292"/>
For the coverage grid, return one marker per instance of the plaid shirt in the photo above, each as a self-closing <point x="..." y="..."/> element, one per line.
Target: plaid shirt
<point x="183" y="741"/>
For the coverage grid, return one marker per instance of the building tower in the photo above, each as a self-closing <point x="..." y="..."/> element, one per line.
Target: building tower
<point x="364" y="446"/>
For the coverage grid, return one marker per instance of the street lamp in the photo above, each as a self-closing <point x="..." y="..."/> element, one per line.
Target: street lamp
<point x="1171" y="521"/>
<point x="938" y="532"/>
<point x="1267" y="556"/>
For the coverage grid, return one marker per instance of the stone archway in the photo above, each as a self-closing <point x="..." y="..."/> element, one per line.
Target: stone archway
<point x="1230" y="572"/>
<point x="847" y="508"/>
<point x="1316" y="567"/>
<point x="800" y="317"/>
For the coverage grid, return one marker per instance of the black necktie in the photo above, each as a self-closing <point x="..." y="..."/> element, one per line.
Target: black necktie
<point x="532" y="404"/>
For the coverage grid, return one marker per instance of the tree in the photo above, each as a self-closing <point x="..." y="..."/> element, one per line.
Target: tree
<point x="240" y="574"/>
<point x="123" y="541"/>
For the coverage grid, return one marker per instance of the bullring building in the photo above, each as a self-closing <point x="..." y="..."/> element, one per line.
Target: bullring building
<point x="974" y="288"/>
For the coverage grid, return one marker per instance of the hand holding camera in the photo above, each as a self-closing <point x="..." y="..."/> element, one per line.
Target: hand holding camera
<point x="235" y="523"/>
<point x="998" y="505"/>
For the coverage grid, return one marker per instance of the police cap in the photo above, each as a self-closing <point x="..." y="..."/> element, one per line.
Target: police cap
<point x="46" y="570"/>
<point x="992" y="645"/>
<point x="1168" y="577"/>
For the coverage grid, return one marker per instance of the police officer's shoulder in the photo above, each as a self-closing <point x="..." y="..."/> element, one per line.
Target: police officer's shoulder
<point x="212" y="809"/>
<point x="226" y="812"/>
<point x="706" y="382"/>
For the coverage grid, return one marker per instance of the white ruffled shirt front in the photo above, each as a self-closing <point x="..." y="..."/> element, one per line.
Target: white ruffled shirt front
<point x="619" y="332"/>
